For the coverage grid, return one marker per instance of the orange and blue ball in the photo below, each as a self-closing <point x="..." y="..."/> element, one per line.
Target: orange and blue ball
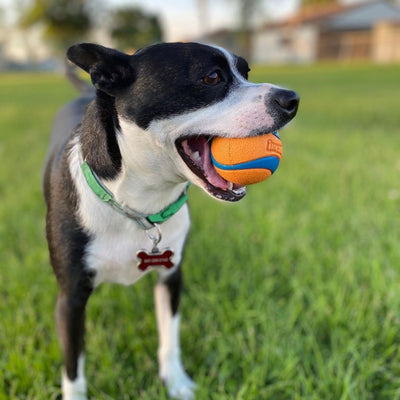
<point x="249" y="160"/>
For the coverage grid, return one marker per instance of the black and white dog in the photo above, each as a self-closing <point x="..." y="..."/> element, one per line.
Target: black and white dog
<point x="119" y="162"/>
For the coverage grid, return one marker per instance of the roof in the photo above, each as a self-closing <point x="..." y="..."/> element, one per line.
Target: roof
<point x="338" y="16"/>
<point x="316" y="13"/>
<point x="364" y="17"/>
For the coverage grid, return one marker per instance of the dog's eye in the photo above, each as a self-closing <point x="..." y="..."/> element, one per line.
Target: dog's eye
<point x="212" y="79"/>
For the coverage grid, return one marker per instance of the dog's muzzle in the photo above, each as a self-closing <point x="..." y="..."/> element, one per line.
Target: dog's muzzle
<point x="280" y="107"/>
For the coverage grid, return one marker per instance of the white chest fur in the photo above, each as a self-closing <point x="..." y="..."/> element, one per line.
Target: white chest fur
<point x="116" y="239"/>
<point x="112" y="254"/>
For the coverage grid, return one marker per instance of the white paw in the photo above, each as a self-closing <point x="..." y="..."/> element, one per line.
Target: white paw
<point x="73" y="390"/>
<point x="179" y="386"/>
<point x="75" y="396"/>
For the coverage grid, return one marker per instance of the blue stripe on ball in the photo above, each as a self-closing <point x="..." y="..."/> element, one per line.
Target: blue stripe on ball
<point x="276" y="134"/>
<point x="270" y="162"/>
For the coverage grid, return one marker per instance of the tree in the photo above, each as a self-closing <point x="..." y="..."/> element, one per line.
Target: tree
<point x="65" y="21"/>
<point x="131" y="28"/>
<point x="247" y="12"/>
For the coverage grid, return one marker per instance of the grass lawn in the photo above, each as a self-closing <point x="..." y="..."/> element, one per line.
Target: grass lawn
<point x="293" y="293"/>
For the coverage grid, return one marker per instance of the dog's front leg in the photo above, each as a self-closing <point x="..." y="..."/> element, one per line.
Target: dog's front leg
<point x="70" y="315"/>
<point x="167" y="297"/>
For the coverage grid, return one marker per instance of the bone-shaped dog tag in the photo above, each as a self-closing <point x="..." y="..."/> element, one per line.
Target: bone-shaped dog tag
<point x="155" y="259"/>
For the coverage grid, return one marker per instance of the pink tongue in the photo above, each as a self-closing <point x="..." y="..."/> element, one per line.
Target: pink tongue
<point x="209" y="171"/>
<point x="202" y="146"/>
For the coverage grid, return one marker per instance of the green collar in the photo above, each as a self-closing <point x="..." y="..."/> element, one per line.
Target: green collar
<point x="144" y="221"/>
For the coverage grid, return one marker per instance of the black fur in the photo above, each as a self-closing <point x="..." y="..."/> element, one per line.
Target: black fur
<point x="62" y="222"/>
<point x="99" y="137"/>
<point x="145" y="84"/>
<point x="174" y="285"/>
<point x="243" y="67"/>
<point x="68" y="260"/>
<point x="109" y="69"/>
<point x="158" y="83"/>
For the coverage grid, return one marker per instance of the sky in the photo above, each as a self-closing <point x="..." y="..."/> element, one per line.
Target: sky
<point x="180" y="18"/>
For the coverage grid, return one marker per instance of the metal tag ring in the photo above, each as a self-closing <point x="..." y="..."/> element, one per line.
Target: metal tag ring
<point x="154" y="238"/>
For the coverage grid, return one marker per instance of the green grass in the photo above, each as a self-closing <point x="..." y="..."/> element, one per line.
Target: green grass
<point x="293" y="293"/>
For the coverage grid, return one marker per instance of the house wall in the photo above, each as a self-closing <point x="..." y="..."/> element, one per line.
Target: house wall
<point x="380" y="44"/>
<point x="285" y="45"/>
<point x="23" y="46"/>
<point x="386" y="42"/>
<point x="368" y="32"/>
<point x="345" y="45"/>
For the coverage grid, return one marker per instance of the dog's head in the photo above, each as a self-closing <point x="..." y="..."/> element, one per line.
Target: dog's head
<point x="184" y="94"/>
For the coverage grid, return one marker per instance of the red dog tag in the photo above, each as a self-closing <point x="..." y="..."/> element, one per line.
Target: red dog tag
<point x="155" y="259"/>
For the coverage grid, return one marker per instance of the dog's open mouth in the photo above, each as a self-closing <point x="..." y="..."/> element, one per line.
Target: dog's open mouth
<point x="195" y="152"/>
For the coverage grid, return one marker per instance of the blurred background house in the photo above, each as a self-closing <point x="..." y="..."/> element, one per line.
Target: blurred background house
<point x="365" y="31"/>
<point x="35" y="33"/>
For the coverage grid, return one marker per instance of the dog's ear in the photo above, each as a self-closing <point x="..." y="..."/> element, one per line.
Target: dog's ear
<point x="109" y="69"/>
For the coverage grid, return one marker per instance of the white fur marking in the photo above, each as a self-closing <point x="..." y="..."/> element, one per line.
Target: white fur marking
<point x="171" y="371"/>
<point x="150" y="178"/>
<point x="75" y="390"/>
<point x="115" y="238"/>
<point x="241" y="113"/>
<point x="231" y="61"/>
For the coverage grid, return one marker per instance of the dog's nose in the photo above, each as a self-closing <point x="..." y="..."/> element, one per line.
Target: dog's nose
<point x="287" y="101"/>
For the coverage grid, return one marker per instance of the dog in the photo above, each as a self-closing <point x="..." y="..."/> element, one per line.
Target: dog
<point x="119" y="162"/>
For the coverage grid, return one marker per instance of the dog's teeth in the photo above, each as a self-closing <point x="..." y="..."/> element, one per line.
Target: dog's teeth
<point x="230" y="186"/>
<point x="196" y="156"/>
<point x="240" y="190"/>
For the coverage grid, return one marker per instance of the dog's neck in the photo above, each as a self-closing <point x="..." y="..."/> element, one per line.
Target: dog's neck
<point x="139" y="172"/>
<point x="149" y="175"/>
